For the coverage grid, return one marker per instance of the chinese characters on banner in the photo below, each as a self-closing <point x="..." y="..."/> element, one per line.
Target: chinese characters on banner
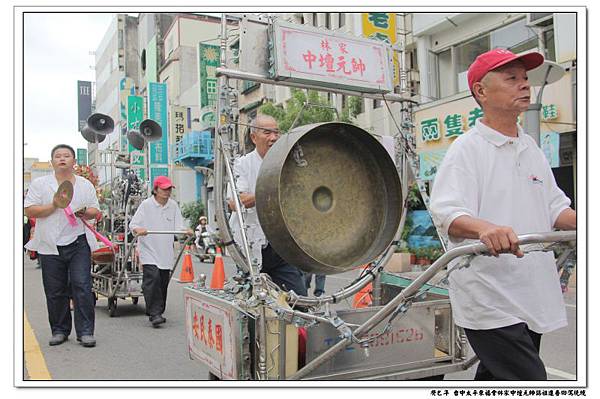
<point x="208" y="60"/>
<point x="126" y="89"/>
<point x="135" y="115"/>
<point x="179" y="122"/>
<point x="157" y="111"/>
<point x="382" y="26"/>
<point x="84" y="101"/>
<point x="324" y="58"/>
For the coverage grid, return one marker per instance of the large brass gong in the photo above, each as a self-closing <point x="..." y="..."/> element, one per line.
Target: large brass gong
<point x="328" y="197"/>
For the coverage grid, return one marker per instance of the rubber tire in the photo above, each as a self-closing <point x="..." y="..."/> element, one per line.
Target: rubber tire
<point x="112" y="307"/>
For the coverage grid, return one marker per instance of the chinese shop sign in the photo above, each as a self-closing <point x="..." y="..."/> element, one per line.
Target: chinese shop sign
<point x="179" y="122"/>
<point x="330" y="59"/>
<point x="382" y="26"/>
<point x="209" y="60"/>
<point x="450" y="125"/>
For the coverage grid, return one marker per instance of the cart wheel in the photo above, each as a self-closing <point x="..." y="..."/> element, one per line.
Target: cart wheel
<point x="134" y="300"/>
<point x="112" y="307"/>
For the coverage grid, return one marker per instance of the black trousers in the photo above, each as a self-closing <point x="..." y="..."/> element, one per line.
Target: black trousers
<point x="286" y="276"/>
<point x="66" y="275"/>
<point x="154" y="287"/>
<point x="508" y="354"/>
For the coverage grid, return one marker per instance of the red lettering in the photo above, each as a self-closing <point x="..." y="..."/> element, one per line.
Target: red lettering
<point x="327" y="61"/>
<point x="211" y="339"/>
<point x="202" y="332"/>
<point x="309" y="58"/>
<point x="325" y="45"/>
<point x="342" y="65"/>
<point x="219" y="338"/>
<point x="358" y="66"/>
<point x="343" y="48"/>
<point x="195" y="326"/>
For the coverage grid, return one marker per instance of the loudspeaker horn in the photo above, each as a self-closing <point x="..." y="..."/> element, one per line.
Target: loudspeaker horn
<point x="97" y="127"/>
<point x="150" y="130"/>
<point x="136" y="139"/>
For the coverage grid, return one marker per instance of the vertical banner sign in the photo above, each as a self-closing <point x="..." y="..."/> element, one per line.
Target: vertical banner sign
<point x="179" y="122"/>
<point x="126" y="89"/>
<point x="157" y="111"/>
<point x="84" y="102"/>
<point x="382" y="26"/>
<point x="208" y="61"/>
<point x="155" y="172"/>
<point x="135" y="115"/>
<point x="82" y="156"/>
<point x="550" y="144"/>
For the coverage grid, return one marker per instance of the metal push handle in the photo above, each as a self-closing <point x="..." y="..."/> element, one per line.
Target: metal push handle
<point x="411" y="289"/>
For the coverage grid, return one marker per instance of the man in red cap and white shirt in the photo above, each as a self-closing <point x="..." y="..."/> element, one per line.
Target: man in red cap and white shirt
<point x="493" y="184"/>
<point x="157" y="213"/>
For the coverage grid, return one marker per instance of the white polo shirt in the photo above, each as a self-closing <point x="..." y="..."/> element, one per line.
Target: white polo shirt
<point x="246" y="170"/>
<point x="506" y="181"/>
<point x="55" y="229"/>
<point x="157" y="249"/>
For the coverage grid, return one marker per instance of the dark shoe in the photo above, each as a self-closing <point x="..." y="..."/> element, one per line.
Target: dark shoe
<point x="157" y="320"/>
<point x="87" y="340"/>
<point x="57" y="339"/>
<point x="318" y="293"/>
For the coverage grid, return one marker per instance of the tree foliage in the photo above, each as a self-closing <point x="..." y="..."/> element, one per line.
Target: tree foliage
<point x="317" y="112"/>
<point x="192" y="212"/>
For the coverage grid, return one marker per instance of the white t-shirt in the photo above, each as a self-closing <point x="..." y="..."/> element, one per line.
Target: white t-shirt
<point x="55" y="229"/>
<point x="157" y="249"/>
<point x="505" y="181"/>
<point x="246" y="170"/>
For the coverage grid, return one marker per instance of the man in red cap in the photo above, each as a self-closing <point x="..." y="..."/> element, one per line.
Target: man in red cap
<point x="157" y="213"/>
<point x="493" y="184"/>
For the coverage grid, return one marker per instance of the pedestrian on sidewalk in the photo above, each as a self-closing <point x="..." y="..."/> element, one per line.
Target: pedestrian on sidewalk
<point x="493" y="184"/>
<point x="64" y="249"/>
<point x="157" y="213"/>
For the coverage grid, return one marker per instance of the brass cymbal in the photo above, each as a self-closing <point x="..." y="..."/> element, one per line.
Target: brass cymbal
<point x="64" y="194"/>
<point x="328" y="197"/>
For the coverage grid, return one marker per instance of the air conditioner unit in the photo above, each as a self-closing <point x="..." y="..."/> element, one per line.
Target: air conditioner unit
<point x="539" y="18"/>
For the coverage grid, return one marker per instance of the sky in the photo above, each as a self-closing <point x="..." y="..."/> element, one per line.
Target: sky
<point x="56" y="49"/>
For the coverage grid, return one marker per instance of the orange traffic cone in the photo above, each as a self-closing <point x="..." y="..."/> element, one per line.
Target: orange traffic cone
<point x="218" y="274"/>
<point x="363" y="298"/>
<point x="187" y="270"/>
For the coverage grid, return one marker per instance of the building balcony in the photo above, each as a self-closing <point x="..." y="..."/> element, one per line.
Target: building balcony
<point x="194" y="149"/>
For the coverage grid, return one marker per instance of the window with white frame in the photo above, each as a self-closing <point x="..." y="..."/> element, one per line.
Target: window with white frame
<point x="452" y="63"/>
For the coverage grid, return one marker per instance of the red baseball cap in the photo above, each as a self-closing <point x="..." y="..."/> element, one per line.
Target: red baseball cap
<point x="495" y="59"/>
<point x="163" y="182"/>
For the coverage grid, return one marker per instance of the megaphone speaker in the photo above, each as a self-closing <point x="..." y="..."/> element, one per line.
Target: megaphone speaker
<point x="150" y="130"/>
<point x="136" y="139"/>
<point x="97" y="127"/>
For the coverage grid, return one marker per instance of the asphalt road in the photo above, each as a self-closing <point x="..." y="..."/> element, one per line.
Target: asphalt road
<point x="128" y="348"/>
